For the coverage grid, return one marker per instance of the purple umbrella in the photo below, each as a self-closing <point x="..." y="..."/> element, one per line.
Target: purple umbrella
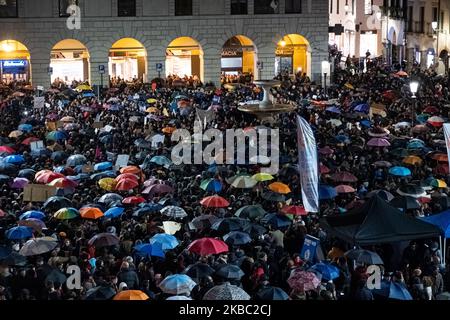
<point x="158" y="189"/>
<point x="19" y="183"/>
<point x="378" y="142"/>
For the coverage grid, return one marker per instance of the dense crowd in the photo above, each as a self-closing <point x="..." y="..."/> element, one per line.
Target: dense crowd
<point x="262" y="259"/>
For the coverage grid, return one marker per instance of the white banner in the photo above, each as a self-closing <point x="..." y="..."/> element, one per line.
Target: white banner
<point x="308" y="165"/>
<point x="447" y="138"/>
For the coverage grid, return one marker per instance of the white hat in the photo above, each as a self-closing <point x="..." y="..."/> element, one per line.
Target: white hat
<point x="122" y="286"/>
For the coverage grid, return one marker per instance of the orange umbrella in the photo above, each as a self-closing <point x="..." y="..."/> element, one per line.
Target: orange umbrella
<point x="91" y="213"/>
<point x="169" y="130"/>
<point x="129" y="295"/>
<point x="126" y="184"/>
<point x="279" y="187"/>
<point x="440" y="157"/>
<point x="130" y="169"/>
<point x="127" y="176"/>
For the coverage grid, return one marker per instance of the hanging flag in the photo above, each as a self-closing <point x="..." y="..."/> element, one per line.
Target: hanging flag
<point x="447" y="137"/>
<point x="308" y="165"/>
<point x="310" y="248"/>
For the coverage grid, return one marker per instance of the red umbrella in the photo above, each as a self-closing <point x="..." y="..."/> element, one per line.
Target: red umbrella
<point x="436" y="121"/>
<point x="326" y="150"/>
<point x="344" y="189"/>
<point x="126" y="184"/>
<point x="441" y="157"/>
<point x="420" y="128"/>
<point x="424" y="199"/>
<point x="48" y="177"/>
<point x="324" y="169"/>
<point x="207" y="246"/>
<point x="431" y="109"/>
<point x="378" y="142"/>
<point x="29" y="140"/>
<point x="344" y="176"/>
<point x="63" y="183"/>
<point x="6" y="149"/>
<point x="303" y="280"/>
<point x="390" y="95"/>
<point x="214" y="202"/>
<point x="133" y="200"/>
<point x="296" y="210"/>
<point x="127" y="176"/>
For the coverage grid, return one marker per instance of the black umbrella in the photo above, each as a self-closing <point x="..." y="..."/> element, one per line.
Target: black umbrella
<point x="230" y="224"/>
<point x="4" y="252"/>
<point x="101" y="175"/>
<point x="254" y="230"/>
<point x="204" y="221"/>
<point x="237" y="238"/>
<point x="276" y="220"/>
<point x="198" y="270"/>
<point x="14" y="259"/>
<point x="56" y="276"/>
<point x="4" y="178"/>
<point x="272" y="293"/>
<point x="58" y="156"/>
<point x="104" y="240"/>
<point x="250" y="212"/>
<point x="364" y="256"/>
<point x="27" y="173"/>
<point x="8" y="168"/>
<point x="106" y="139"/>
<point x="443" y="201"/>
<point x="55" y="203"/>
<point x="274" y="197"/>
<point x="411" y="190"/>
<point x="405" y="202"/>
<point x="142" y="143"/>
<point x="100" y="293"/>
<point x="230" y="272"/>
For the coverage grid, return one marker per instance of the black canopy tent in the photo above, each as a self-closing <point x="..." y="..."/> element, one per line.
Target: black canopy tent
<point x="377" y="222"/>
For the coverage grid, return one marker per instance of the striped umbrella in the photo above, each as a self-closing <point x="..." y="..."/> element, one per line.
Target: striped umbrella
<point x="66" y="214"/>
<point x="174" y="212"/>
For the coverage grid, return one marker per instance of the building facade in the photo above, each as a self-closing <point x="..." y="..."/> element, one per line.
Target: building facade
<point x="49" y="39"/>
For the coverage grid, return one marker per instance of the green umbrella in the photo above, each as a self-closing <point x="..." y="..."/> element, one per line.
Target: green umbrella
<point x="66" y="214"/>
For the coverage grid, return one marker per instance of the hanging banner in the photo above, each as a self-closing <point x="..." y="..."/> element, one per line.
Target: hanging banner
<point x="308" y="165"/>
<point x="447" y="138"/>
<point x="309" y="249"/>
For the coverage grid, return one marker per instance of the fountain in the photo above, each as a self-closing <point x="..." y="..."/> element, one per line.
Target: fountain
<point x="265" y="110"/>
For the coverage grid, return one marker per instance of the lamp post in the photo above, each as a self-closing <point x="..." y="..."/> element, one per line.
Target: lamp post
<point x="435" y="25"/>
<point x="413" y="86"/>
<point x="325" y="71"/>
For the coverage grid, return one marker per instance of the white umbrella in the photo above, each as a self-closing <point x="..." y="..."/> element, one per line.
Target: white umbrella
<point x="38" y="246"/>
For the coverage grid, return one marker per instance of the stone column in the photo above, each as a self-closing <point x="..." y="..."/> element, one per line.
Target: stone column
<point x="97" y="59"/>
<point x="39" y="72"/>
<point x="156" y="56"/>
<point x="212" y="66"/>
<point x="423" y="58"/>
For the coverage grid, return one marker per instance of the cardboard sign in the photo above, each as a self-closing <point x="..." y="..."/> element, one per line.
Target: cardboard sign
<point x="122" y="160"/>
<point x="37" y="145"/>
<point x="39" y="102"/>
<point x="171" y="227"/>
<point x="38" y="192"/>
<point x="98" y="125"/>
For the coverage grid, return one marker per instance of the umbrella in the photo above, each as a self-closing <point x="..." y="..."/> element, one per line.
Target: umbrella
<point x="63" y="183"/>
<point x="378" y="142"/>
<point x="229" y="224"/>
<point x="211" y="185"/>
<point x="274" y="197"/>
<point x="326" y="151"/>
<point x="158" y="189"/>
<point x="131" y="169"/>
<point x="109" y="198"/>
<point x="344" y="189"/>
<point x="114" y="212"/>
<point x="177" y="284"/>
<point x="18" y="233"/>
<point x="364" y="256"/>
<point x="47" y="176"/>
<point x="108" y="184"/>
<point x="55" y="203"/>
<point x="254" y="230"/>
<point x="161" y="161"/>
<point x="400" y="171"/>
<point x="276" y="220"/>
<point x="405" y="202"/>
<point x="436" y="121"/>
<point x="56" y="276"/>
<point x="327" y="192"/>
<point x="174" y="212"/>
<point x="226" y="291"/>
<point x="440" y="157"/>
<point x="382" y="164"/>
<point x="133" y="200"/>
<point x="243" y="182"/>
<point x="83" y="87"/>
<point x="104" y="240"/>
<point x="6" y="149"/>
<point x="56" y="135"/>
<point x="230" y="272"/>
<point x="272" y="293"/>
<point x="412" y="160"/>
<point x="131" y="295"/>
<point x="14" y="259"/>
<point x="208" y="246"/>
<point x="437" y="183"/>
<point x="25" y="127"/>
<point x="127" y="176"/>
<point x="14" y="159"/>
<point x="100" y="293"/>
<point x="91" y="213"/>
<point x="102" y="166"/>
<point x="15" y="134"/>
<point x="203" y="221"/>
<point x="385" y="195"/>
<point x="178" y="298"/>
<point x="343" y="177"/>
<point x="32" y="214"/>
<point x="303" y="280"/>
<point x="295" y="210"/>
<point x="328" y="271"/>
<point x="415" y="144"/>
<point x="126" y="184"/>
<point x="149" y="250"/>
<point x="76" y="160"/>
<point x="260" y="177"/>
<point x="26" y="173"/>
<point x="147" y="208"/>
<point x="279" y="187"/>
<point x="214" y="202"/>
<point x="38" y="246"/>
<point x="36" y="224"/>
<point x="250" y="212"/>
<point x="393" y="290"/>
<point x="198" y="271"/>
<point x="237" y="238"/>
<point x="166" y="241"/>
<point x="411" y="190"/>
<point x="66" y="214"/>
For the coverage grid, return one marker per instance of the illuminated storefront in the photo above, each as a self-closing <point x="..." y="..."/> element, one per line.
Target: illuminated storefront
<point x="69" y="61"/>
<point x="184" y="57"/>
<point x="14" y="61"/>
<point x="293" y="55"/>
<point x="128" y="60"/>
<point x="238" y="56"/>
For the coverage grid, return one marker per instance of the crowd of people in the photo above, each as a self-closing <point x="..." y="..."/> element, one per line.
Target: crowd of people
<point x="147" y="224"/>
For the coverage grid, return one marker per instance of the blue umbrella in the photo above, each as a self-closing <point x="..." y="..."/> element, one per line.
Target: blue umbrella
<point x="400" y="171"/>
<point x="7" y="168"/>
<point x="58" y="156"/>
<point x="166" y="241"/>
<point x="32" y="214"/>
<point x="76" y="160"/>
<point x="147" y="250"/>
<point x="211" y="185"/>
<point x="328" y="271"/>
<point x="442" y="220"/>
<point x="147" y="208"/>
<point x="102" y="166"/>
<point x="18" y="233"/>
<point x="272" y="293"/>
<point x="333" y="109"/>
<point x="14" y="159"/>
<point x="364" y="108"/>
<point x="415" y="144"/>
<point x="25" y="127"/>
<point x="88" y="95"/>
<point x="327" y="192"/>
<point x="393" y="290"/>
<point x="237" y="238"/>
<point x="56" y="135"/>
<point x="366" y="123"/>
<point x="161" y="161"/>
<point x="177" y="284"/>
<point x="342" y="138"/>
<point x="114" y="212"/>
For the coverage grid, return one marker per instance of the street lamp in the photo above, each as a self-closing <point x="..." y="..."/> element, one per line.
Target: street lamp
<point x="325" y="71"/>
<point x="413" y="86"/>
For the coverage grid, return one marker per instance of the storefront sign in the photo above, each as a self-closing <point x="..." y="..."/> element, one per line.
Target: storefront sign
<point x="232" y="52"/>
<point x="14" y="63"/>
<point x="284" y="51"/>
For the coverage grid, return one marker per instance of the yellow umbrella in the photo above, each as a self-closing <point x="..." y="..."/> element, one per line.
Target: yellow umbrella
<point x="262" y="177"/>
<point x="412" y="160"/>
<point x="108" y="184"/>
<point x="151" y="110"/>
<point x="349" y="86"/>
<point x="152" y="100"/>
<point x="15" y="134"/>
<point x="279" y="187"/>
<point x="83" y="87"/>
